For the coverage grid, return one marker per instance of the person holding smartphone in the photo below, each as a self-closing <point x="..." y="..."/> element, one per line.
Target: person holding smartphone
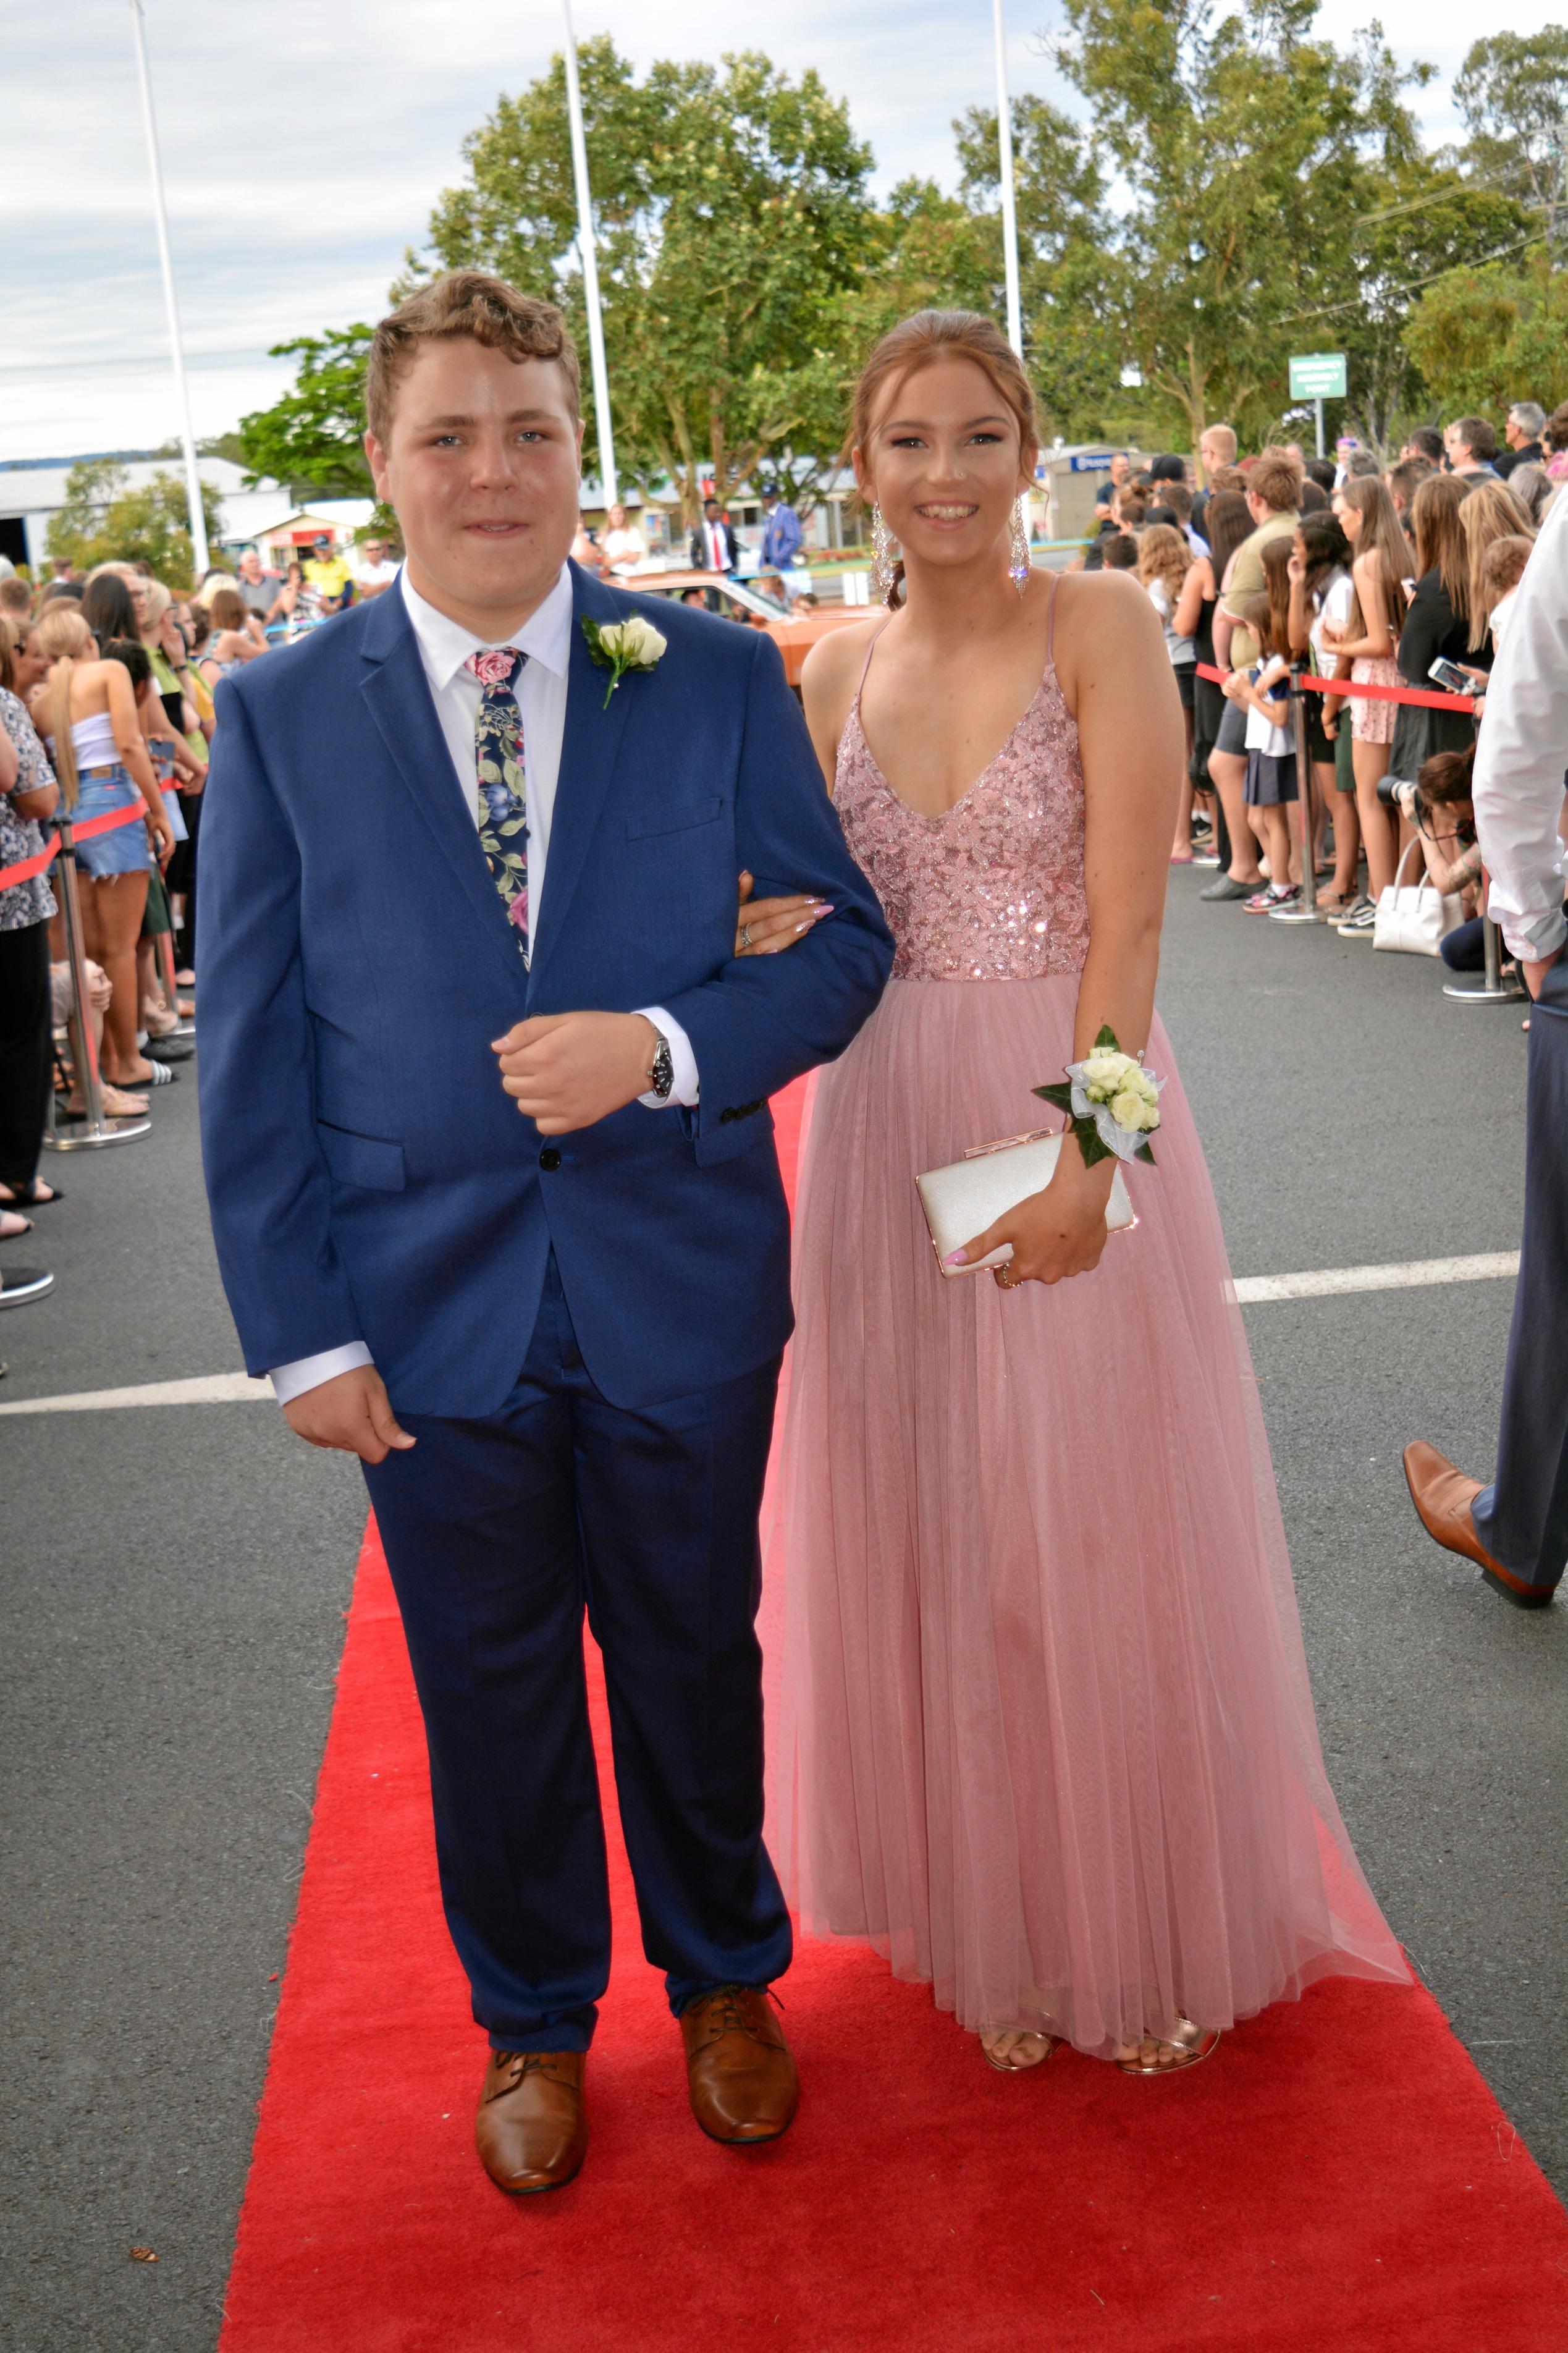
<point x="1438" y="627"/>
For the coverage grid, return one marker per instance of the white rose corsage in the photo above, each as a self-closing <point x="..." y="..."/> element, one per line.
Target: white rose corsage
<point x="623" y="646"/>
<point x="1111" y="1102"/>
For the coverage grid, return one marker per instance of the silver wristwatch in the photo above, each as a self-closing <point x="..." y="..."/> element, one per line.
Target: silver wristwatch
<point x="661" y="1070"/>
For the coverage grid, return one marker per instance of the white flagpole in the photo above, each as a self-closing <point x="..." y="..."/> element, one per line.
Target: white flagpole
<point x="193" y="480"/>
<point x="590" y="269"/>
<point x="1009" y="209"/>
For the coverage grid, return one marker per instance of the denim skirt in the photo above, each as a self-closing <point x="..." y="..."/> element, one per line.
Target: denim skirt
<point x="123" y="850"/>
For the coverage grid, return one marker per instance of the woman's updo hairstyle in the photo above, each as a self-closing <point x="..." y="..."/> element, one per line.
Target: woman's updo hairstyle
<point x="919" y="342"/>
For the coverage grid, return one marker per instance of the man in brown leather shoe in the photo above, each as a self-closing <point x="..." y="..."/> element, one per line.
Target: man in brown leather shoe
<point x="739" y="2073"/>
<point x="1516" y="1530"/>
<point x="1445" y="1502"/>
<point x="531" y="2131"/>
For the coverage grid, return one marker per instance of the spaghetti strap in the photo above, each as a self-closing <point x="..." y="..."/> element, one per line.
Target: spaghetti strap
<point x="865" y="665"/>
<point x="1050" y="626"/>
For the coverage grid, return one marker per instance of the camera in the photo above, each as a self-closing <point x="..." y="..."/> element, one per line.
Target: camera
<point x="1421" y="808"/>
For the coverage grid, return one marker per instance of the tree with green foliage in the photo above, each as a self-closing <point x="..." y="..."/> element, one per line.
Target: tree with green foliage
<point x="1281" y="200"/>
<point x="1513" y="91"/>
<point x="314" y="437"/>
<point x="1485" y="338"/>
<point x="1420" y="220"/>
<point x="1072" y="284"/>
<point x="103" y="521"/>
<point x="732" y="221"/>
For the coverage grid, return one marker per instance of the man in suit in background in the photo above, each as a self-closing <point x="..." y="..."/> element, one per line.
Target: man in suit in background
<point x="1516" y="1530"/>
<point x="714" y="547"/>
<point x="485" y="1126"/>
<point x="781" y="535"/>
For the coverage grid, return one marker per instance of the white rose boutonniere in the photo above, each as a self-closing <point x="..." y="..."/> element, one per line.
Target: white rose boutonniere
<point x="621" y="646"/>
<point x="1111" y="1102"/>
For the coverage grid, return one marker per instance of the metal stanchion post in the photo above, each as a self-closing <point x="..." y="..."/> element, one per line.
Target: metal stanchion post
<point x="95" y="1129"/>
<point x="1493" y="989"/>
<point x="1306" y="908"/>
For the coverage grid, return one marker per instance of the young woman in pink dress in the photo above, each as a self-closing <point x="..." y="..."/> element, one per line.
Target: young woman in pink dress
<point x="1046" y="1737"/>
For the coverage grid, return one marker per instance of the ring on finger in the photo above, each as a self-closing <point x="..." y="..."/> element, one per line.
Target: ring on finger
<point x="745" y="939"/>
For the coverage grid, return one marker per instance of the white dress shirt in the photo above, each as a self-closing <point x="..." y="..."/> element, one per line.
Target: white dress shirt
<point x="540" y="686"/>
<point x="1522" y="751"/>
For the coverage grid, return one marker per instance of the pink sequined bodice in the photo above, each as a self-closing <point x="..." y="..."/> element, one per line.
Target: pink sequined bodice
<point x="994" y="889"/>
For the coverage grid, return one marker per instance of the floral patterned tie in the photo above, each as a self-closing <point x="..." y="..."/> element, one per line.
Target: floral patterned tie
<point x="502" y="786"/>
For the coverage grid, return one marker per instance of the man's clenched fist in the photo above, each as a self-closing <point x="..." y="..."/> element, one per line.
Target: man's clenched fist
<point x="351" y="1413"/>
<point x="566" y="1071"/>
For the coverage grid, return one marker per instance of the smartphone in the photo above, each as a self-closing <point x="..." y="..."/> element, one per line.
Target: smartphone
<point x="1451" y="678"/>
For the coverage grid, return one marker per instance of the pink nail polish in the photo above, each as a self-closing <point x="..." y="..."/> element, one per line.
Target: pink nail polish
<point x="954" y="1258"/>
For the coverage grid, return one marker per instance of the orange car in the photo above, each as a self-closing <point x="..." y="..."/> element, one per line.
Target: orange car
<point x="794" y="634"/>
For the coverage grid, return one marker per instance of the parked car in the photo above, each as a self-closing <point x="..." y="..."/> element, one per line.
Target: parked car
<point x="794" y="633"/>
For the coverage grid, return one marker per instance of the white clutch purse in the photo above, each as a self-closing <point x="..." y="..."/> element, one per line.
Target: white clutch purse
<point x="962" y="1200"/>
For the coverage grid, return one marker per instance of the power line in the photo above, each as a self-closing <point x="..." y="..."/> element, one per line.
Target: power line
<point x="1331" y="310"/>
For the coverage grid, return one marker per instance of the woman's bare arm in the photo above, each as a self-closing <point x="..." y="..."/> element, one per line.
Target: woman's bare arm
<point x="1196" y="588"/>
<point x="1376" y="645"/>
<point x="1132" y="748"/>
<point x="828" y="679"/>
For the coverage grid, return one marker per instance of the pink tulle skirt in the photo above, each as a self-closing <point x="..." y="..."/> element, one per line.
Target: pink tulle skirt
<point x="1046" y="1736"/>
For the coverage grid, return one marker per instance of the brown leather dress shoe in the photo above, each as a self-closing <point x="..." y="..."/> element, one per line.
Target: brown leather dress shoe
<point x="739" y="2073"/>
<point x="531" y="2131"/>
<point x="1443" y="1496"/>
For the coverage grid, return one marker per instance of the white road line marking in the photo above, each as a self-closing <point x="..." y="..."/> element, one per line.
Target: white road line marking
<point x="1252" y="1290"/>
<point x="1410" y="1274"/>
<point x="209" y="1388"/>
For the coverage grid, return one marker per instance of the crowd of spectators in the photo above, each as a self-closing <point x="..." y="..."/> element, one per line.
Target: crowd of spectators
<point x="1380" y="570"/>
<point x="1388" y="571"/>
<point x="106" y="710"/>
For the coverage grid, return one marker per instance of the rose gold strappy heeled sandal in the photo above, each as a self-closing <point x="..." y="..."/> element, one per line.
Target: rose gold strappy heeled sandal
<point x="1190" y="2042"/>
<point x="1005" y="2067"/>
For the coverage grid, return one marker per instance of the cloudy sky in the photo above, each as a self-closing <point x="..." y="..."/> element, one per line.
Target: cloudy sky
<point x="304" y="146"/>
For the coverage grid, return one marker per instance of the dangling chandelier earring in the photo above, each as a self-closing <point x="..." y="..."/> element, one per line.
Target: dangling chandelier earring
<point x="1018" y="549"/>
<point x="884" y="554"/>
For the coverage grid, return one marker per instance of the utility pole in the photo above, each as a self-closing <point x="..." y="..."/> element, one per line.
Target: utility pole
<point x="585" y="247"/>
<point x="199" y="551"/>
<point x="1009" y="208"/>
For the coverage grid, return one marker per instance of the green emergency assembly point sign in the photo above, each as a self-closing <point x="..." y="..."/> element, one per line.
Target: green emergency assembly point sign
<point x="1318" y="376"/>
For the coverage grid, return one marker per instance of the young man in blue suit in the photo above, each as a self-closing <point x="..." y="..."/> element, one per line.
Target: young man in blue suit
<point x="484" y="1111"/>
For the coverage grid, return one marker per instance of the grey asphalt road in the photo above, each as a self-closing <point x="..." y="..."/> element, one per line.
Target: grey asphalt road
<point x="171" y="1584"/>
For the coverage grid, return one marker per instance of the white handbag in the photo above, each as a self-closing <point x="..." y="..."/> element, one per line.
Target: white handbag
<point x="1416" y="917"/>
<point x="969" y="1195"/>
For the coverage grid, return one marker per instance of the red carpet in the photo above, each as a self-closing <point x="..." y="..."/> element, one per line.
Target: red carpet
<point x="1337" y="2179"/>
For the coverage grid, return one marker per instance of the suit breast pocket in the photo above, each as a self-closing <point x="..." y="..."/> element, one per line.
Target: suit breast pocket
<point x="369" y="1161"/>
<point x="674" y="817"/>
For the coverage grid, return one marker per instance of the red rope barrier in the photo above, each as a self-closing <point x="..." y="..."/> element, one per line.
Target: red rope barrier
<point x="110" y="822"/>
<point x="1363" y="689"/>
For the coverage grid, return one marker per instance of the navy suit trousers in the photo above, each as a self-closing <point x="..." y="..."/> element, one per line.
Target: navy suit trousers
<point x="499" y="1534"/>
<point x="1522" y="1518"/>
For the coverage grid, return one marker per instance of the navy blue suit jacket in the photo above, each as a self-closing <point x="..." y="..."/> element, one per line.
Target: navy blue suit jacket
<point x="368" y="1178"/>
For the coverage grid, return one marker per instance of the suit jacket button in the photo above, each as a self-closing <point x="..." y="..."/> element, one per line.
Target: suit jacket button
<point x="550" y="1159"/>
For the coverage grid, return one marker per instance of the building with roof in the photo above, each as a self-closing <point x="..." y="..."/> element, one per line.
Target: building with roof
<point x="33" y="489"/>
